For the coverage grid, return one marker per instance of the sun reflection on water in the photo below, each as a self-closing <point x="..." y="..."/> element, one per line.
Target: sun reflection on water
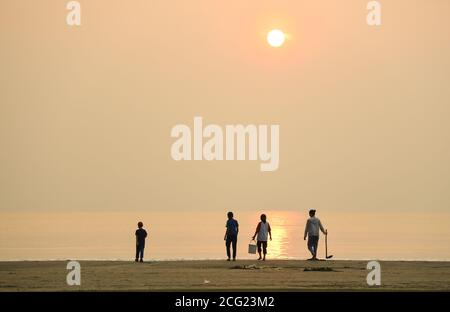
<point x="286" y="229"/>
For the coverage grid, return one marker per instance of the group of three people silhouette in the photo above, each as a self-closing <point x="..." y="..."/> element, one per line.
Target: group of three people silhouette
<point x="262" y="234"/>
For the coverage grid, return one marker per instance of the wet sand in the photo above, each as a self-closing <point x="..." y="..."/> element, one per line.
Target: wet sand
<point x="205" y="275"/>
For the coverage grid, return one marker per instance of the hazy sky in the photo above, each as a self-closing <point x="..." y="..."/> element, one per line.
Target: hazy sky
<point x="86" y="112"/>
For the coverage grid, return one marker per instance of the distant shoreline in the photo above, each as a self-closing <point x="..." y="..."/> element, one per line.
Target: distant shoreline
<point x="214" y="259"/>
<point x="210" y="275"/>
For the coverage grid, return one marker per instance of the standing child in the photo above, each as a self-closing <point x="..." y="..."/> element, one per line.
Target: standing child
<point x="262" y="230"/>
<point x="141" y="234"/>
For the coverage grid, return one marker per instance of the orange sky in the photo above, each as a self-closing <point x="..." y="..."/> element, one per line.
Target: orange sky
<point x="86" y="112"/>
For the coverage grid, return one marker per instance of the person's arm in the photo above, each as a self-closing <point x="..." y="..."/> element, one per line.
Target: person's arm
<point x="237" y="228"/>
<point x="145" y="233"/>
<point x="226" y="232"/>
<point x="322" y="229"/>
<point x="137" y="241"/>
<point x="257" y="230"/>
<point x="270" y="231"/>
<point x="306" y="230"/>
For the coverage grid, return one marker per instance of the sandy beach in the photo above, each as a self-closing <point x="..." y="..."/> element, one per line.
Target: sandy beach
<point x="206" y="275"/>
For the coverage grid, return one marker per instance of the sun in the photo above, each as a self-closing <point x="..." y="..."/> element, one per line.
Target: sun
<point x="276" y="38"/>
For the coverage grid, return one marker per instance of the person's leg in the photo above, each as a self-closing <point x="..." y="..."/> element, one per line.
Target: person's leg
<point x="259" y="243"/>
<point x="310" y="245"/>
<point x="316" y="245"/>
<point x="234" y="242"/>
<point x="264" y="244"/>
<point x="137" y="253"/>
<point x="228" y="244"/>
<point x="142" y="253"/>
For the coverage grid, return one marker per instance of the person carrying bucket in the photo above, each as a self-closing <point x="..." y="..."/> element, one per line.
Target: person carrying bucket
<point x="263" y="231"/>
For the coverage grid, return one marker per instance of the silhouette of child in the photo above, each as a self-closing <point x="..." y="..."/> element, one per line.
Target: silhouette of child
<point x="141" y="234"/>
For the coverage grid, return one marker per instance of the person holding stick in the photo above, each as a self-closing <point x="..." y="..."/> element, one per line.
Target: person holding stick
<point x="313" y="225"/>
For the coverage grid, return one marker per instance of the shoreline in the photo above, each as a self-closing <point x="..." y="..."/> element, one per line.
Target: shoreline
<point x="212" y="259"/>
<point x="215" y="275"/>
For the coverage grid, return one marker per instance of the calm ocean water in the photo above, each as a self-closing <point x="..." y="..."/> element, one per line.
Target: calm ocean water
<point x="199" y="235"/>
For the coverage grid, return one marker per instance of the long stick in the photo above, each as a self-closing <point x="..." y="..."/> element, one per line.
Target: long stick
<point x="326" y="248"/>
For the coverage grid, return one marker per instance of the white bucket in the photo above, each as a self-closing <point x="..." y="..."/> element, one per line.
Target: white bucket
<point x="252" y="247"/>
